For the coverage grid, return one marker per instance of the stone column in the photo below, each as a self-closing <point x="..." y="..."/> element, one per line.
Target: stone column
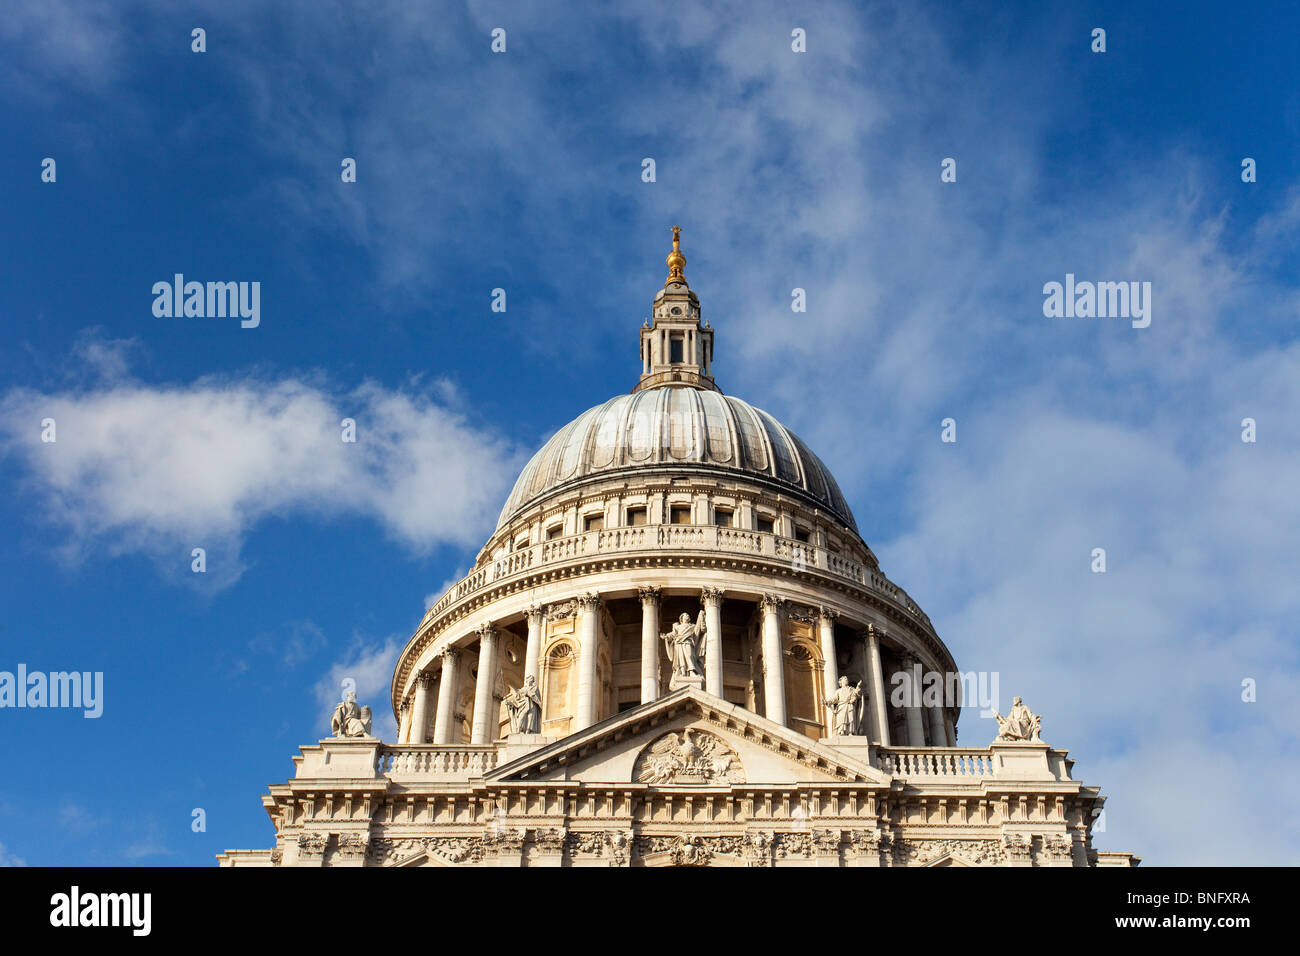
<point x="420" y="711"/>
<point x="481" y="732"/>
<point x="712" y="598"/>
<point x="773" y="663"/>
<point x="950" y="729"/>
<point x="586" y="715"/>
<point x="532" y="656"/>
<point x="831" y="674"/>
<point x="915" y="727"/>
<point x="649" y="643"/>
<point x="876" y="680"/>
<point x="442" y="730"/>
<point x="404" y="721"/>
<point x="938" y="734"/>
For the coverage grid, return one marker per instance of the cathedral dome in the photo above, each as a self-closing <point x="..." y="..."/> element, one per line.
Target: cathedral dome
<point x="676" y="428"/>
<point x="676" y="650"/>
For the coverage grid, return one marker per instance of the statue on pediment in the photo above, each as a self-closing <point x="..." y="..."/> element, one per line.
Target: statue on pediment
<point x="525" y="707"/>
<point x="349" y="720"/>
<point x="1019" y="724"/>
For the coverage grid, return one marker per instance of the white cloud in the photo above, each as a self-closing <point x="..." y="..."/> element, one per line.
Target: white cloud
<point x="164" y="469"/>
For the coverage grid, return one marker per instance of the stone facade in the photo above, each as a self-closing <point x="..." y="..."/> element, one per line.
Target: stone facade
<point x="685" y="585"/>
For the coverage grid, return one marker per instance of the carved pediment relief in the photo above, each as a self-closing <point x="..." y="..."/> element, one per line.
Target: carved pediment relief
<point x="690" y="758"/>
<point x="688" y="738"/>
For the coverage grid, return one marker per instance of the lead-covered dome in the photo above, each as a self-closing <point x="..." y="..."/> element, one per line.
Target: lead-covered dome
<point x="677" y="419"/>
<point x="671" y="427"/>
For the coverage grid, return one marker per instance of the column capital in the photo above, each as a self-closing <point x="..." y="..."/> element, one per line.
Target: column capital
<point x="711" y="596"/>
<point x="535" y="614"/>
<point x="404" y="705"/>
<point x="908" y="659"/>
<point x="589" y="601"/>
<point x="873" y="634"/>
<point x="650" y="593"/>
<point x="449" y="655"/>
<point x="773" y="602"/>
<point x="487" y="633"/>
<point x="424" y="677"/>
<point x="827" y="613"/>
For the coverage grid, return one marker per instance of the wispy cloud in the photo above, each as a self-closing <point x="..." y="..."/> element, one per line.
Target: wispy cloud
<point x="165" y="469"/>
<point x="149" y="844"/>
<point x="1139" y="670"/>
<point x="9" y="859"/>
<point x="77" y="820"/>
<point x="295" y="642"/>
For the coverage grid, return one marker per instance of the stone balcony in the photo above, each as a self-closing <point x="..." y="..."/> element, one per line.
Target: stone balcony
<point x="415" y="763"/>
<point x="706" y="540"/>
<point x="1001" y="761"/>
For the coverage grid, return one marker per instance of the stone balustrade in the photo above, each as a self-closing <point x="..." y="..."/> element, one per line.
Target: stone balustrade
<point x="971" y="763"/>
<point x="465" y="760"/>
<point x="706" y="538"/>
<point x="436" y="760"/>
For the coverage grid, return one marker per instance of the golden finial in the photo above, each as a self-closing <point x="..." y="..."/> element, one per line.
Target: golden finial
<point x="676" y="262"/>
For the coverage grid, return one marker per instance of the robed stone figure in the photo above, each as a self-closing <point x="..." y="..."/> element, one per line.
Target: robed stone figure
<point x="846" y="708"/>
<point x="525" y="707"/>
<point x="349" y="720"/>
<point x="685" y="645"/>
<point x="1020" y="723"/>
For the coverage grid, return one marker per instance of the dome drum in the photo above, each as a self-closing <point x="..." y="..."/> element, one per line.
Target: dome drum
<point x="602" y="607"/>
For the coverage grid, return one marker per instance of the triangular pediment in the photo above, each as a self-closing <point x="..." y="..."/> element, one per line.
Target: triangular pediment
<point x="688" y="737"/>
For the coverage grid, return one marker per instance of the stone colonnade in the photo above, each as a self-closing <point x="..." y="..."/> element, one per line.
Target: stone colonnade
<point x="922" y="723"/>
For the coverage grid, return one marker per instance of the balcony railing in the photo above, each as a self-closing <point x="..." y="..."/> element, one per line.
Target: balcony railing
<point x="970" y="763"/>
<point x="435" y="760"/>
<point x="450" y="760"/>
<point x="708" y="538"/>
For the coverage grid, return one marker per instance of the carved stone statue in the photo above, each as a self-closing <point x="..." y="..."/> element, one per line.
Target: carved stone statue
<point x="1019" y="724"/>
<point x="685" y="644"/>
<point x="349" y="720"/>
<point x="846" y="708"/>
<point x="525" y="707"/>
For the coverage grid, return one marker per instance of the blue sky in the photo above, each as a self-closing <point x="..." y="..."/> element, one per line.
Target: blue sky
<point x="522" y="171"/>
